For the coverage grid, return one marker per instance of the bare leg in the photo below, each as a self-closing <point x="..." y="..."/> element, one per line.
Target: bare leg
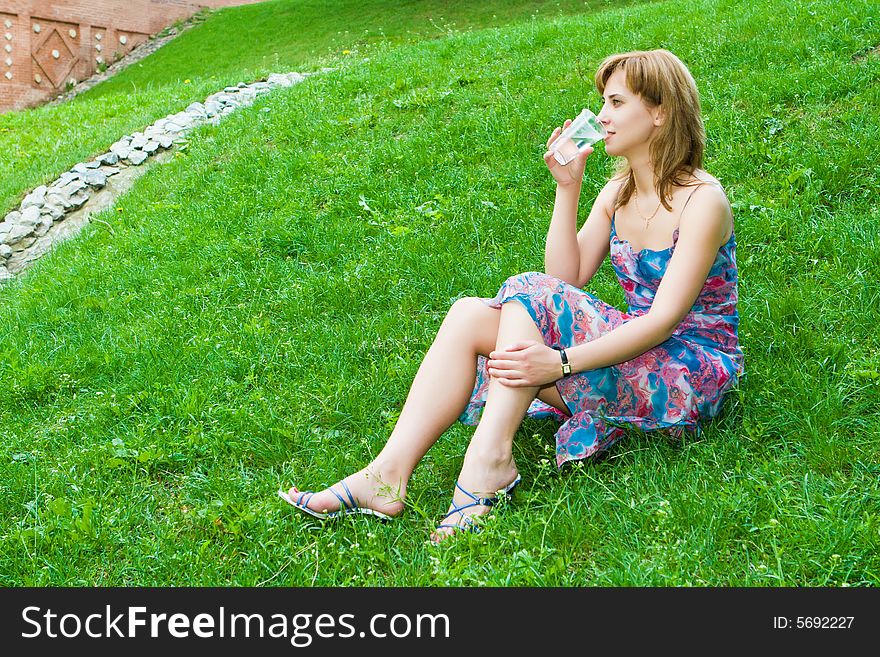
<point x="449" y="366"/>
<point x="488" y="463"/>
<point x="437" y="397"/>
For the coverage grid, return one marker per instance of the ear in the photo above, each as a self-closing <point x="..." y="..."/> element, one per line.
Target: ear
<point x="659" y="115"/>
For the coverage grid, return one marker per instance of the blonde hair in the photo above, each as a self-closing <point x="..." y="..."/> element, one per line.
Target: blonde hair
<point x="661" y="79"/>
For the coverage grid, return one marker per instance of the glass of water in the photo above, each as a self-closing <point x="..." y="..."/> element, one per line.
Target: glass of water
<point x="584" y="131"/>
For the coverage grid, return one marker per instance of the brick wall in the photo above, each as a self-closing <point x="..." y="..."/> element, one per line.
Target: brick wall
<point x="45" y="43"/>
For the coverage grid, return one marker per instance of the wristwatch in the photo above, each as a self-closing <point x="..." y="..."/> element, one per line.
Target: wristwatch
<point x="566" y="366"/>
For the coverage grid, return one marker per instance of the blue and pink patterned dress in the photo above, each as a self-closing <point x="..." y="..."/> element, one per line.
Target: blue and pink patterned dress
<point x="675" y="386"/>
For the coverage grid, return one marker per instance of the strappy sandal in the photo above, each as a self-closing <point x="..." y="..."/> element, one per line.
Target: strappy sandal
<point x="468" y="524"/>
<point x="349" y="507"/>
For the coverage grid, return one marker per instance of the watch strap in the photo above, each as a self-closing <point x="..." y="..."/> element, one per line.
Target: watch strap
<point x="566" y="366"/>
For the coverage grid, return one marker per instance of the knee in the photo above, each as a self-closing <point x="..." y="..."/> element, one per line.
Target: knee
<point x="468" y="312"/>
<point x="466" y="309"/>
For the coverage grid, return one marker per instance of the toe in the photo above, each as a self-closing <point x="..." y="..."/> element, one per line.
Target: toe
<point x="439" y="534"/>
<point x="443" y="533"/>
<point x="297" y="496"/>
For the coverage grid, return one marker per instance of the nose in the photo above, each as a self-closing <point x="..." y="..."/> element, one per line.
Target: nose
<point x="603" y="118"/>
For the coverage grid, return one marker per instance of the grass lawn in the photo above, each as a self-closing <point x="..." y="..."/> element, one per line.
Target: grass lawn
<point x="238" y="44"/>
<point x="251" y="315"/>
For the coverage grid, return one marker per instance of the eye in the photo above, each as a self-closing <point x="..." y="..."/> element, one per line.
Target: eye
<point x="615" y="102"/>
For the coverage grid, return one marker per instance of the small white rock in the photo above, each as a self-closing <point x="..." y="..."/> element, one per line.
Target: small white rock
<point x="43" y="226"/>
<point x="65" y="178"/>
<point x="120" y="151"/>
<point x="73" y="187"/>
<point x="57" y="200"/>
<point x="30" y="216"/>
<point x="78" y="200"/>
<point x="55" y="212"/>
<point x="18" y="233"/>
<point x="95" y="178"/>
<point x="279" y="79"/>
<point x="137" y="157"/>
<point x="35" y="198"/>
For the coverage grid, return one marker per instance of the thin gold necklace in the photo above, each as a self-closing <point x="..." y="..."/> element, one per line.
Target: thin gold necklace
<point x="647" y="220"/>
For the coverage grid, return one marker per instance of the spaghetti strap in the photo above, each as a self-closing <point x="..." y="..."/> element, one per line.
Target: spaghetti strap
<point x="681" y="212"/>
<point x="696" y="187"/>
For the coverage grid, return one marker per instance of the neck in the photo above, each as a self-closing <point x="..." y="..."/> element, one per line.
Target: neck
<point x="643" y="174"/>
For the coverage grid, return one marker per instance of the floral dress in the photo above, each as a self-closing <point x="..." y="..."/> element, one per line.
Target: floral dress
<point x="675" y="386"/>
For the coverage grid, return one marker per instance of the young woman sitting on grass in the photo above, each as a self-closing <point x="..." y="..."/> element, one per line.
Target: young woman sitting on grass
<point x="544" y="347"/>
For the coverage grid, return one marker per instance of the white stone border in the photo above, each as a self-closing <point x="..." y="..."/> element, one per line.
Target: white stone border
<point x="49" y="204"/>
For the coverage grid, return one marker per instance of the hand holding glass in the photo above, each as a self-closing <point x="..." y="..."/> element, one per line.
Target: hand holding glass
<point x="584" y="131"/>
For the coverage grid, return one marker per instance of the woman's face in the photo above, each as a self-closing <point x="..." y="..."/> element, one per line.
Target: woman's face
<point x="629" y="121"/>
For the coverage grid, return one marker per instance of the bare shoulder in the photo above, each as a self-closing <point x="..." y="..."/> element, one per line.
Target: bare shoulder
<point x="608" y="195"/>
<point x="704" y="176"/>
<point x="710" y="186"/>
<point x="709" y="210"/>
<point x="710" y="196"/>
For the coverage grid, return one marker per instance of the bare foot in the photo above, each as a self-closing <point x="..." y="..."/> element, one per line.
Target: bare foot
<point x="374" y="487"/>
<point x="482" y="480"/>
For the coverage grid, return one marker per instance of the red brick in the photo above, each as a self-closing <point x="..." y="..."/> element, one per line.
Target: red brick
<point x="45" y="43"/>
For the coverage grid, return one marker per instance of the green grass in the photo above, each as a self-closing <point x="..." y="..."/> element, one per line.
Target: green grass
<point x="239" y="44"/>
<point x="254" y="311"/>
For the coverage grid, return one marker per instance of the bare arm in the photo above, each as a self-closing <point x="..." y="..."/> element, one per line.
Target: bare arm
<point x="702" y="231"/>
<point x="571" y="255"/>
<point x="561" y="250"/>
<point x="632" y="339"/>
